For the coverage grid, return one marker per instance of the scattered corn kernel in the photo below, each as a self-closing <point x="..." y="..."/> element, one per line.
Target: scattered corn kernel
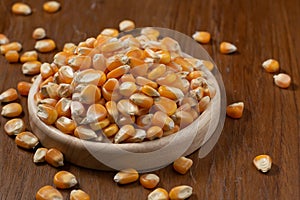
<point x="181" y="192"/>
<point x="45" y="45"/>
<point x="227" y="48"/>
<point x="29" y="56"/>
<point x="39" y="155"/>
<point x="110" y="32"/>
<point x="235" y="110"/>
<point x="14" y="126"/>
<point x="158" y="194"/>
<point x="26" y="140"/>
<point x="271" y="65"/>
<point x="263" y="163"/>
<point x="201" y="36"/>
<point x="126" y="176"/>
<point x="21" y="9"/>
<point x="54" y="157"/>
<point x="79" y="195"/>
<point x="31" y="67"/>
<point x="182" y="164"/>
<point x="39" y="33"/>
<point x="12" y="56"/>
<point x="48" y="193"/>
<point x="3" y="39"/>
<point x="149" y="181"/>
<point x="24" y="87"/>
<point x="126" y="25"/>
<point x="282" y="80"/>
<point x="64" y="180"/>
<point x="13" y="46"/>
<point x="51" y="6"/>
<point x="11" y="110"/>
<point x="9" y="95"/>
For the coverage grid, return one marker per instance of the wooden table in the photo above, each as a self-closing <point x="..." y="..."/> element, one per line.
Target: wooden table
<point x="271" y="120"/>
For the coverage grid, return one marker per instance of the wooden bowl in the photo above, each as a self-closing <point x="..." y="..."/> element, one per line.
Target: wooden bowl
<point x="145" y="156"/>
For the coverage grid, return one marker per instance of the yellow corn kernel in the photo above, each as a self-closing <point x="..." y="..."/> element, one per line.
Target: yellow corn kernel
<point x="186" y="66"/>
<point x="201" y="36"/>
<point x="61" y="58"/>
<point x="31" y="67"/>
<point x="39" y="155"/>
<point x="21" y="9"/>
<point x="63" y="107"/>
<point x="65" y="125"/>
<point x="99" y="62"/>
<point x="126" y="107"/>
<point x="90" y="76"/>
<point x="203" y="104"/>
<point x="46" y="70"/>
<point x="24" y="87"/>
<point x="85" y="133"/>
<point x="48" y="101"/>
<point x="26" y="140"/>
<point x="170" y="92"/>
<point x="235" y="110"/>
<point x="126" y="119"/>
<point x="118" y="72"/>
<point x="111" y="84"/>
<point x="182" y="165"/>
<point x="96" y="112"/>
<point x="45" y="45"/>
<point x="282" y="80"/>
<point x="50" y="90"/>
<point x="39" y="33"/>
<point x="149" y="181"/>
<point x="141" y="100"/>
<point x="90" y="94"/>
<point x="183" y="118"/>
<point x="111" y="46"/>
<point x="96" y="126"/>
<point x="171" y="131"/>
<point x="47" y="113"/>
<point x="271" y="65"/>
<point x="13" y="46"/>
<point x="139" y="136"/>
<point x="162" y="120"/>
<point x="14" y="126"/>
<point x="144" y="81"/>
<point x="150" y="31"/>
<point x="154" y="132"/>
<point x="3" y="39"/>
<point x="126" y="25"/>
<point x="29" y="56"/>
<point x="112" y="109"/>
<point x="144" y="120"/>
<point x="51" y="6"/>
<point x="9" y="95"/>
<point x="11" y="110"/>
<point x="227" y="48"/>
<point x="79" y="195"/>
<point x="64" y="180"/>
<point x="111" y="130"/>
<point x="65" y="74"/>
<point x="166" y="105"/>
<point x="48" y="192"/>
<point x="124" y="133"/>
<point x="69" y="48"/>
<point x="54" y="157"/>
<point x="135" y="53"/>
<point x="12" y="56"/>
<point x="90" y="42"/>
<point x="157" y="72"/>
<point x="181" y="192"/>
<point x="263" y="163"/>
<point x="112" y="32"/>
<point x="126" y="176"/>
<point x="127" y="88"/>
<point x="158" y="194"/>
<point x="150" y="91"/>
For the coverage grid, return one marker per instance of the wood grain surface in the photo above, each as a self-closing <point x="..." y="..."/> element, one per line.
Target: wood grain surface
<point x="271" y="120"/>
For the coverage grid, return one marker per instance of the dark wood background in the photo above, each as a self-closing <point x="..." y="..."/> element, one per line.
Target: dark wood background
<point x="271" y="121"/>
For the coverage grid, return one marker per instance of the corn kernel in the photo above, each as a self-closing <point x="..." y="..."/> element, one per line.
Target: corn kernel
<point x="26" y="140"/>
<point x="9" y="95"/>
<point x="65" y="125"/>
<point x="39" y="33"/>
<point x="64" y="180"/>
<point x="154" y="132"/>
<point x="85" y="133"/>
<point x="271" y="65"/>
<point x="47" y="113"/>
<point x="21" y="9"/>
<point x="11" y="110"/>
<point x="166" y="105"/>
<point x="54" y="157"/>
<point x="201" y="36"/>
<point x="181" y="192"/>
<point x="29" y="56"/>
<point x="126" y="25"/>
<point x="12" y="56"/>
<point x="158" y="194"/>
<point x="3" y="39"/>
<point x="51" y="6"/>
<point x="124" y="133"/>
<point x="182" y="165"/>
<point x="126" y="176"/>
<point x="24" y="87"/>
<point x="13" y="46"/>
<point x="263" y="163"/>
<point x="39" y="155"/>
<point x="111" y="130"/>
<point x="127" y="88"/>
<point x="235" y="110"/>
<point x="31" y="68"/>
<point x="45" y="45"/>
<point x="126" y="107"/>
<point x="162" y="120"/>
<point x="47" y="193"/>
<point x="14" y="126"/>
<point x="227" y="48"/>
<point x="141" y="100"/>
<point x="110" y="32"/>
<point x="149" y="181"/>
<point x="282" y="80"/>
<point x="79" y="195"/>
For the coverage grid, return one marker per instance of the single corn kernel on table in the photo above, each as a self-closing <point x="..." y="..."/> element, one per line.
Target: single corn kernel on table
<point x="270" y="123"/>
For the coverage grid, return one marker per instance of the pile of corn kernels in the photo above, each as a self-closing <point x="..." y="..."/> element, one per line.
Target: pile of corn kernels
<point x="108" y="84"/>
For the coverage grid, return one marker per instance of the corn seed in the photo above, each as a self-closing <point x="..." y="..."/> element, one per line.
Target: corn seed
<point x="158" y="194"/>
<point x="110" y="32"/>
<point x="154" y="132"/>
<point x="3" y="39"/>
<point x="263" y="163"/>
<point x="85" y="133"/>
<point x="14" y="126"/>
<point x="126" y="176"/>
<point x="201" y="36"/>
<point x="39" y="155"/>
<point x="235" y="110"/>
<point x="48" y="192"/>
<point x="126" y="25"/>
<point x="24" y="87"/>
<point x="127" y="88"/>
<point x="29" y="56"/>
<point x="9" y="95"/>
<point x="227" y="48"/>
<point x="181" y="192"/>
<point x="26" y="140"/>
<point x="282" y="80"/>
<point x="47" y="113"/>
<point x="12" y="56"/>
<point x="51" y="6"/>
<point x="21" y="9"/>
<point x="11" y="110"/>
<point x="54" y="157"/>
<point x="126" y="107"/>
<point x="124" y="133"/>
<point x="149" y="181"/>
<point x="65" y="125"/>
<point x="45" y="45"/>
<point x="39" y="33"/>
<point x="64" y="180"/>
<point x="31" y="68"/>
<point x="182" y="165"/>
<point x="13" y="46"/>
<point x="79" y="195"/>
